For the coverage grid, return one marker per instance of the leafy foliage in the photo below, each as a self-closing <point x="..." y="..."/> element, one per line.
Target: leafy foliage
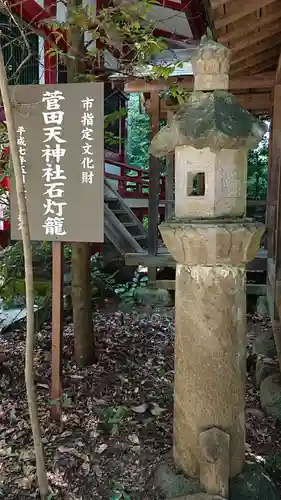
<point x="109" y="138"/>
<point x="138" y="134"/>
<point x="12" y="284"/>
<point x="139" y="280"/>
<point x="257" y="171"/>
<point x="123" y="27"/>
<point x="127" y="291"/>
<point x="273" y="465"/>
<point x="164" y="71"/>
<point x="103" y="284"/>
<point x="119" y="493"/>
<point x="12" y="260"/>
<point x="112" y="419"/>
<point x="176" y="95"/>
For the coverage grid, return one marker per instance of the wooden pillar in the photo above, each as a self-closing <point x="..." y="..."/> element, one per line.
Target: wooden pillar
<point x="169" y="194"/>
<point x="57" y="327"/>
<point x="170" y="176"/>
<point x="271" y="198"/>
<point x="268" y="200"/>
<point x="274" y="177"/>
<point x="154" y="185"/>
<point x="276" y="160"/>
<point x="274" y="218"/>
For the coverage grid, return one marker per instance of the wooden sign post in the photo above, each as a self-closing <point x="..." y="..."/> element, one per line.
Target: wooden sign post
<point x="60" y="134"/>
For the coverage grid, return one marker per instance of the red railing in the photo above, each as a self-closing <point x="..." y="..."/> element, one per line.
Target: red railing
<point x="5" y="185"/>
<point x="133" y="182"/>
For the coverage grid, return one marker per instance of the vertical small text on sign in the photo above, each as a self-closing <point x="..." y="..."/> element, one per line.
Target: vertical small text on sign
<point x="22" y="149"/>
<point x="87" y="138"/>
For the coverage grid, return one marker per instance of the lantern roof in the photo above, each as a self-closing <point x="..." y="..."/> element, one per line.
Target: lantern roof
<point x="212" y="120"/>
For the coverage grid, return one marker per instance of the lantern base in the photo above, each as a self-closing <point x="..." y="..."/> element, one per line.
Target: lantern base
<point x="252" y="484"/>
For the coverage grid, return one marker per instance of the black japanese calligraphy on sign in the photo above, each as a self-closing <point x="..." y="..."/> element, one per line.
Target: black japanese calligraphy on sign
<point x="60" y="131"/>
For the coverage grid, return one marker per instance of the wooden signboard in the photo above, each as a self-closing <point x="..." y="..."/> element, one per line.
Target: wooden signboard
<point x="60" y="135"/>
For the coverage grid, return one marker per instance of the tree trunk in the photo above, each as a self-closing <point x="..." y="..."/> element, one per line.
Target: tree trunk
<point x="82" y="304"/>
<point x="81" y="270"/>
<point x="29" y="286"/>
<point x="154" y="180"/>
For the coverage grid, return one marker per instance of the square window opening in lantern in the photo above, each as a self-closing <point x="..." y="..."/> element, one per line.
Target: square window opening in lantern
<point x="196" y="184"/>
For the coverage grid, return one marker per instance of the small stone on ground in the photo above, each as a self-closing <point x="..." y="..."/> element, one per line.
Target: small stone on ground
<point x="152" y="296"/>
<point x="252" y="484"/>
<point x="264" y="368"/>
<point x="270" y="395"/>
<point x="262" y="307"/>
<point x="264" y="344"/>
<point x="171" y="483"/>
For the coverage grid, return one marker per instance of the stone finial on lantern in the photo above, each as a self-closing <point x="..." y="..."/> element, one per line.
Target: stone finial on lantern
<point x="211" y="66"/>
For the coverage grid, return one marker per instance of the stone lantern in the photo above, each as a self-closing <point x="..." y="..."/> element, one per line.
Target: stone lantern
<point x="211" y="241"/>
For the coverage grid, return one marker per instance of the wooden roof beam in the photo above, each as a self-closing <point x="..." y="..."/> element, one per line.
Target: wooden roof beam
<point x="270" y="43"/>
<point x="215" y="4"/>
<point x="272" y="30"/>
<point x="261" y="81"/>
<point x="259" y="102"/>
<point x="242" y="9"/>
<point x="260" y="23"/>
<point x="269" y="64"/>
<point x="249" y="62"/>
<point x="255" y="102"/>
<point x="266" y="65"/>
<point x="254" y="71"/>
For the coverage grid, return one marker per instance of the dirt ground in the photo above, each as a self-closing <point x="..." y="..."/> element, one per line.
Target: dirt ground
<point x="117" y="417"/>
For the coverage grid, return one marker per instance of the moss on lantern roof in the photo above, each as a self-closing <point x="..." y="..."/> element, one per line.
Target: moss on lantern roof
<point x="212" y="120"/>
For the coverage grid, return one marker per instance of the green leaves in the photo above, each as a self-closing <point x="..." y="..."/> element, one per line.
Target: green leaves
<point x="179" y="95"/>
<point x="124" y="26"/>
<point x="162" y="72"/>
<point x="113" y="417"/>
<point x="114" y="116"/>
<point x="120" y="495"/>
<point x="258" y="171"/>
<point x="52" y="52"/>
<point x="138" y="134"/>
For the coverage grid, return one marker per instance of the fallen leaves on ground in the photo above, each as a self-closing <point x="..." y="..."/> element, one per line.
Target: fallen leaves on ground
<point x="263" y="433"/>
<point x="117" y="414"/>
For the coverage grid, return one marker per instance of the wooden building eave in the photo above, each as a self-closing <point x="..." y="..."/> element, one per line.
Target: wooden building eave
<point x="250" y="30"/>
<point x="265" y="80"/>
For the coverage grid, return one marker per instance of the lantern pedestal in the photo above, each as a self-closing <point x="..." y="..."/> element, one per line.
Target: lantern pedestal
<point x="210" y="346"/>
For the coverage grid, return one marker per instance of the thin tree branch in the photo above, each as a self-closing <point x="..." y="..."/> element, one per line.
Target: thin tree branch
<point x="29" y="284"/>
